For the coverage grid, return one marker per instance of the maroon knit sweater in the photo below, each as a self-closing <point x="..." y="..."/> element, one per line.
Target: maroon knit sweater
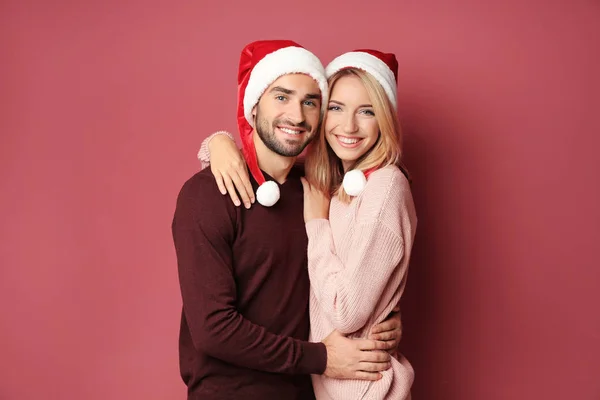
<point x="244" y="283"/>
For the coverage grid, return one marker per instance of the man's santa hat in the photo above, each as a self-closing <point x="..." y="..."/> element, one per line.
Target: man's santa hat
<point x="384" y="68"/>
<point x="261" y="64"/>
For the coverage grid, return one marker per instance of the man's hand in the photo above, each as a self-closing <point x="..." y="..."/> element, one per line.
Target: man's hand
<point x="355" y="358"/>
<point x="389" y="331"/>
<point x="229" y="168"/>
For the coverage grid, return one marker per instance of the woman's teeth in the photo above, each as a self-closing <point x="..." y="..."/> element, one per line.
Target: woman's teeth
<point x="348" y="140"/>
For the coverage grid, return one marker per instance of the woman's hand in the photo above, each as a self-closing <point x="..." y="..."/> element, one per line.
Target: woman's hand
<point x="389" y="331"/>
<point x="229" y="168"/>
<point x="316" y="203"/>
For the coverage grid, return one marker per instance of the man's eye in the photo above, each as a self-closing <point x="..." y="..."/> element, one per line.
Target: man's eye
<point x="280" y="98"/>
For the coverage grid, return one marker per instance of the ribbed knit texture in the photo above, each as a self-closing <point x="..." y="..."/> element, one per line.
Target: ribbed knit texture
<point x="204" y="152"/>
<point x="358" y="261"/>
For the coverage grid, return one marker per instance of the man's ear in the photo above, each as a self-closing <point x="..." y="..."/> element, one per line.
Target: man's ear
<point x="254" y="111"/>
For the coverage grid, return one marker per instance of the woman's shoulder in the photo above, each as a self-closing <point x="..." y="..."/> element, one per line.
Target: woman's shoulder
<point x="387" y="195"/>
<point x="389" y="176"/>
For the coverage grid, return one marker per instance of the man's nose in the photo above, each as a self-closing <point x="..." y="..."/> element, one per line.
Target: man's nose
<point x="296" y="113"/>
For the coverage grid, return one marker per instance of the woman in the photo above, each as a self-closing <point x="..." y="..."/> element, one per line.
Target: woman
<point x="360" y="230"/>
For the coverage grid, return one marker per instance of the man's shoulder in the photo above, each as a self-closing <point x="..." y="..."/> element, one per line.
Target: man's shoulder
<point x="201" y="188"/>
<point x="200" y="205"/>
<point x="201" y="180"/>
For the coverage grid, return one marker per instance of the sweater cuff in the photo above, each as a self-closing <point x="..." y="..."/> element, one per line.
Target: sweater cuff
<point x="314" y="358"/>
<point x="204" y="153"/>
<point x="316" y="227"/>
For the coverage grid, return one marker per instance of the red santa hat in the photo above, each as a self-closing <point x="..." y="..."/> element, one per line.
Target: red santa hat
<point x="384" y="68"/>
<point x="261" y="64"/>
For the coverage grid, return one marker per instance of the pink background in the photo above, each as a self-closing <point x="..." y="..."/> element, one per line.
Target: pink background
<point x="104" y="104"/>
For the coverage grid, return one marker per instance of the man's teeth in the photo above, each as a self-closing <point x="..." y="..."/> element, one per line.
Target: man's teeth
<point x="290" y="131"/>
<point x="348" y="140"/>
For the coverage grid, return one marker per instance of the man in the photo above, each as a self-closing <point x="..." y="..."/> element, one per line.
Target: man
<point x="242" y="272"/>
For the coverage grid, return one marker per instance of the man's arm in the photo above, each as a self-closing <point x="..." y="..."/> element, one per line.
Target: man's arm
<point x="203" y="233"/>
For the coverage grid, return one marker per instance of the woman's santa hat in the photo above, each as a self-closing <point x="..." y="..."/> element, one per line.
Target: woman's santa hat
<point x="384" y="68"/>
<point x="261" y="64"/>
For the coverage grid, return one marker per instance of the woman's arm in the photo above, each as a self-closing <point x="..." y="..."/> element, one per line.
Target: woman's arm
<point x="348" y="293"/>
<point x="228" y="166"/>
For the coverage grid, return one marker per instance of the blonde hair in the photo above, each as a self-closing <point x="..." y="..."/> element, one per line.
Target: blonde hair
<point x="324" y="169"/>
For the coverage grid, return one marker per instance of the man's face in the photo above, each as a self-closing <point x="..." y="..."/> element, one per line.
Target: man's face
<point x="287" y="115"/>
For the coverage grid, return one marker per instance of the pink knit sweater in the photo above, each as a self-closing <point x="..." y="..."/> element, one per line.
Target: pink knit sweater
<point x="357" y="263"/>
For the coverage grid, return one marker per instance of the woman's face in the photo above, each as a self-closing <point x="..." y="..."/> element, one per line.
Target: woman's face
<point x="351" y="128"/>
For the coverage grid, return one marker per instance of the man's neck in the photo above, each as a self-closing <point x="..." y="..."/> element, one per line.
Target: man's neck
<point x="275" y="165"/>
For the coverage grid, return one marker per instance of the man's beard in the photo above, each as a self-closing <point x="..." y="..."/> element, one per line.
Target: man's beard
<point x="267" y="135"/>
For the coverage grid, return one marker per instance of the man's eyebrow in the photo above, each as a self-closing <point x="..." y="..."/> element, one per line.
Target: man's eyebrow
<point x="312" y="96"/>
<point x="282" y="90"/>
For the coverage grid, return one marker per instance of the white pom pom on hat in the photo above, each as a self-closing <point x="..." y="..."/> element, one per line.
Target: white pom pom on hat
<point x="354" y="182"/>
<point x="267" y="194"/>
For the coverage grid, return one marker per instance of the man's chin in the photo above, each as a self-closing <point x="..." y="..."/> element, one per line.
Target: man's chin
<point x="287" y="148"/>
<point x="295" y="151"/>
<point x="287" y="152"/>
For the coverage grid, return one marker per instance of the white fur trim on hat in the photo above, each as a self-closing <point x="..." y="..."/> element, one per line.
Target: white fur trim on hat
<point x="368" y="63"/>
<point x="354" y="182"/>
<point x="267" y="194"/>
<point x="289" y="60"/>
